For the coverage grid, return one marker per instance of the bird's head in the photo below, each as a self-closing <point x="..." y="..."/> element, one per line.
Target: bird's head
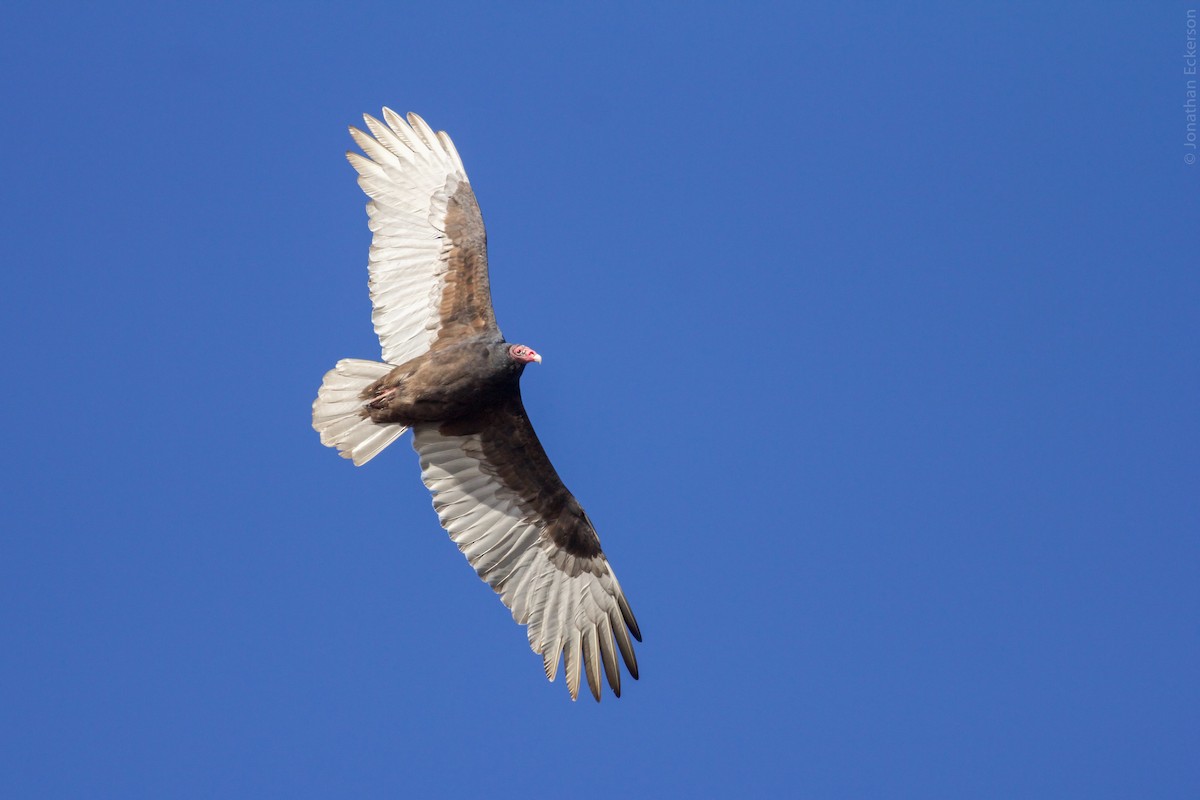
<point x="522" y="354"/>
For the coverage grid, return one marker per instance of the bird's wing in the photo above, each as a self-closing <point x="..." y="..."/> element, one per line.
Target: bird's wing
<point x="428" y="264"/>
<point x="505" y="507"/>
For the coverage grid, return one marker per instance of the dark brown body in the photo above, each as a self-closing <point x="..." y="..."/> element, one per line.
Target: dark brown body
<point x="445" y="384"/>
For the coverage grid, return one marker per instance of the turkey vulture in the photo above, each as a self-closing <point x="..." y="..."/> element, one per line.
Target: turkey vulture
<point x="449" y="375"/>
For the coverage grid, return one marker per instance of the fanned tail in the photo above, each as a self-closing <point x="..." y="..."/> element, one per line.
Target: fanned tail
<point x="337" y="411"/>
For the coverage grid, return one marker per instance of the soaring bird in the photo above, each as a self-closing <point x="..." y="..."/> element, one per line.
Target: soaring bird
<point x="449" y="376"/>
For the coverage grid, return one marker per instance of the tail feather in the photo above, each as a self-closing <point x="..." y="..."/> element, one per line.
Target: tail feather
<point x="337" y="411"/>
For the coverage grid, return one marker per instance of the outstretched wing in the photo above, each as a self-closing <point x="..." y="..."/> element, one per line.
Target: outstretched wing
<point x="505" y="507"/>
<point x="428" y="264"/>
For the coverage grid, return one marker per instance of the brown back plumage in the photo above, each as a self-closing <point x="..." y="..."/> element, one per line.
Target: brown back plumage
<point x="466" y="307"/>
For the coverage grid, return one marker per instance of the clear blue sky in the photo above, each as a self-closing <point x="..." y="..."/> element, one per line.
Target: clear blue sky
<point x="871" y="349"/>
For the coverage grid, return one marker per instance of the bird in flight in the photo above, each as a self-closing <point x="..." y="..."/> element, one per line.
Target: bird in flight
<point x="449" y="376"/>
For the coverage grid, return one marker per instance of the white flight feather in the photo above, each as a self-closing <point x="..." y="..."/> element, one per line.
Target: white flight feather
<point x="509" y="551"/>
<point x="337" y="411"/>
<point x="409" y="173"/>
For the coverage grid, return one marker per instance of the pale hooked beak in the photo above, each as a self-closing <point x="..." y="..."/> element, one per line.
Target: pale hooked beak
<point x="537" y="357"/>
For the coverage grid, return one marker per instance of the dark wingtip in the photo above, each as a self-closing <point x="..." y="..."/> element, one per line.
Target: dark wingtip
<point x="627" y="614"/>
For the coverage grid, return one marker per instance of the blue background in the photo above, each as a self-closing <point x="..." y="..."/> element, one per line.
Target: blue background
<point x="871" y="348"/>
